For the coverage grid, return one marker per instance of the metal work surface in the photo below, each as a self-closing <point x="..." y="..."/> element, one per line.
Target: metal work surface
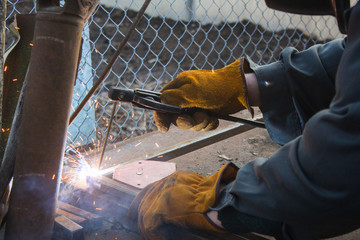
<point x="142" y="173"/>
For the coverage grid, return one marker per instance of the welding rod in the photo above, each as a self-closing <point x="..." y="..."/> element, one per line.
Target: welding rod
<point x="107" y="134"/>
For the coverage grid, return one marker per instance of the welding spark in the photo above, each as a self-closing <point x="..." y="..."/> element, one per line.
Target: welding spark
<point x="5" y="68"/>
<point x="77" y="168"/>
<point x="31" y="44"/>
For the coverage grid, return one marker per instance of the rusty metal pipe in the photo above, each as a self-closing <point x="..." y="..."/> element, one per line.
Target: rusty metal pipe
<point x="41" y="140"/>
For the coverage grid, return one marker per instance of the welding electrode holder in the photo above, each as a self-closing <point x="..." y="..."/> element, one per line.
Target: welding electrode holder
<point x="151" y="100"/>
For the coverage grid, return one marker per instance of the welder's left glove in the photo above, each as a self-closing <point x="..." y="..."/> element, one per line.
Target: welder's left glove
<point x="222" y="91"/>
<point x="181" y="199"/>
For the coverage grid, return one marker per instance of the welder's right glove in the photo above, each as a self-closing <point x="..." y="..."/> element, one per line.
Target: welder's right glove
<point x="221" y="91"/>
<point x="181" y="199"/>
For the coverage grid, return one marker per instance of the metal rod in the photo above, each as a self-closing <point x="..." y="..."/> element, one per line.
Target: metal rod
<point x="241" y="120"/>
<point x="197" y="143"/>
<point x="107" y="134"/>
<point x="182" y="146"/>
<point x="111" y="63"/>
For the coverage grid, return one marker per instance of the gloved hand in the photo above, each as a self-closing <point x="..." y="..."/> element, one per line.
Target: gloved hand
<point x="180" y="199"/>
<point x="221" y="91"/>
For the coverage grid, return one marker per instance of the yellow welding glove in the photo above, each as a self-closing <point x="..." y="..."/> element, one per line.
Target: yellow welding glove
<point x="181" y="199"/>
<point x="221" y="91"/>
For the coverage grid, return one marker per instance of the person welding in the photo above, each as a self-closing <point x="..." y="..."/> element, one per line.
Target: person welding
<point x="310" y="100"/>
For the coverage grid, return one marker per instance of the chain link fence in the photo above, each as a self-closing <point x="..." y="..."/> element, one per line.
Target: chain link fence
<point x="173" y="36"/>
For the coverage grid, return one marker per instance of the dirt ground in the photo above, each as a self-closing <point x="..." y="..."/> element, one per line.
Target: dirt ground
<point x="239" y="150"/>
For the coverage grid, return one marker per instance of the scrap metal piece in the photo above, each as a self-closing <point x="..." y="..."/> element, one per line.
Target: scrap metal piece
<point x="66" y="229"/>
<point x="109" y="186"/>
<point x="141" y="173"/>
<point x="72" y="217"/>
<point x="91" y="221"/>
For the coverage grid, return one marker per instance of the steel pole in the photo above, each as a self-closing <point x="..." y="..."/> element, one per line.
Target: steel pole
<point x="47" y="102"/>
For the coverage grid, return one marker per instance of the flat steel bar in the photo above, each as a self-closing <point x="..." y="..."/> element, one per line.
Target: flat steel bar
<point x="93" y="221"/>
<point x="79" y="220"/>
<point x="195" y="144"/>
<point x="184" y="146"/>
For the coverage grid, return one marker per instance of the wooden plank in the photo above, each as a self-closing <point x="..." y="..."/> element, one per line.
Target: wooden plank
<point x="66" y="229"/>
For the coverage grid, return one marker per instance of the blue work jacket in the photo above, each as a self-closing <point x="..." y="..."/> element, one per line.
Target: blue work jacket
<point x="309" y="189"/>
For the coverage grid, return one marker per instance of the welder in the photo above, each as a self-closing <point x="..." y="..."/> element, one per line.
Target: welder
<point x="310" y="100"/>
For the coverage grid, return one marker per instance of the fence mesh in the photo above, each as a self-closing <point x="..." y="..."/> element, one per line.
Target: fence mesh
<point x="173" y="36"/>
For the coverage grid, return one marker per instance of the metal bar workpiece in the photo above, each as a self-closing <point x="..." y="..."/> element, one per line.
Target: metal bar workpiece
<point x="188" y="145"/>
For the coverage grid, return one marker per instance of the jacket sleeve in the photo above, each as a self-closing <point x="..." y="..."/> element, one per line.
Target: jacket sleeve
<point x="296" y="87"/>
<point x="311" y="185"/>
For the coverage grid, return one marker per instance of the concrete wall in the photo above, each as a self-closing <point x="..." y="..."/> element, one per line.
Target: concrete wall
<point x="208" y="11"/>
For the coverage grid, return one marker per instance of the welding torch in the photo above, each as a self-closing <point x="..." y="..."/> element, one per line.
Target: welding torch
<point x="151" y="100"/>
